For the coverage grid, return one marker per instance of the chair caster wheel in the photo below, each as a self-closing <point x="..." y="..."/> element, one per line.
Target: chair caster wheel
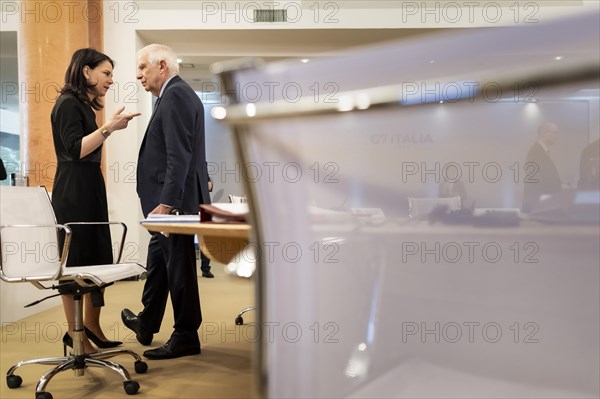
<point x="131" y="387"/>
<point x="239" y="321"/>
<point x="141" y="367"/>
<point x="13" y="381"/>
<point x="43" y="395"/>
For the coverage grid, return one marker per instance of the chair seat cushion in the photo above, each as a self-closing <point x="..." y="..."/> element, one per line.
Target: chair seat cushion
<point x="102" y="274"/>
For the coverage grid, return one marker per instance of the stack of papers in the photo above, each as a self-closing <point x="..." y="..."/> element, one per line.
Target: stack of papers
<point x="224" y="212"/>
<point x="160" y="218"/>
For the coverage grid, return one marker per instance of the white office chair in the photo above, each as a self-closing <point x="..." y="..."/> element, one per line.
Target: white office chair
<point x="28" y="225"/>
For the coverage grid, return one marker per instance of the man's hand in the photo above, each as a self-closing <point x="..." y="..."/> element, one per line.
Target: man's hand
<point x="161" y="209"/>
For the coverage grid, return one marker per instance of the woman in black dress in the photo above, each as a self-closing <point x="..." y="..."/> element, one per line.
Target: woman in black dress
<point x="79" y="193"/>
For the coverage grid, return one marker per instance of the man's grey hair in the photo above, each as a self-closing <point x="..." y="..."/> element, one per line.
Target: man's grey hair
<point x="160" y="52"/>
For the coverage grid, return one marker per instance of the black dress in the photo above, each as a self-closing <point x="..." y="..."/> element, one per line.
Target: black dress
<point x="79" y="193"/>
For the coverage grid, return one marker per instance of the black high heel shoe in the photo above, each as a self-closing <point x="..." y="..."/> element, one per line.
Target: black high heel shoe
<point x="98" y="342"/>
<point x="68" y="341"/>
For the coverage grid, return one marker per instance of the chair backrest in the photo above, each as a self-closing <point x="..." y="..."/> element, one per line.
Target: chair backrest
<point x="421" y="207"/>
<point x="30" y="253"/>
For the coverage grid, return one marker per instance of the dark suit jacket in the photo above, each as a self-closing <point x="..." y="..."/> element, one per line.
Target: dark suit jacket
<point x="589" y="167"/>
<point x="2" y="171"/>
<point x="172" y="160"/>
<point x="544" y="181"/>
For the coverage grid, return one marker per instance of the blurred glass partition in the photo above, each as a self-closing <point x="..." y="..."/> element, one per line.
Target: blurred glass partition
<point x="494" y="291"/>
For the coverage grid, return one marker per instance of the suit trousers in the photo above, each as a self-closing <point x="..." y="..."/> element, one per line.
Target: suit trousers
<point x="204" y="263"/>
<point x="171" y="269"/>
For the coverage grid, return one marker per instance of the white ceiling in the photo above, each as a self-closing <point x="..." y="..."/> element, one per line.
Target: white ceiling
<point x="198" y="49"/>
<point x="308" y="4"/>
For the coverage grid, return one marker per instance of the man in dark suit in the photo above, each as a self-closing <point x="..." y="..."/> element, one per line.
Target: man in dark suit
<point x="589" y="167"/>
<point x="545" y="180"/>
<point x="2" y="170"/>
<point x="171" y="177"/>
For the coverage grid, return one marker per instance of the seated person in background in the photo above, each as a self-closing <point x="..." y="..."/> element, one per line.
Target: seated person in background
<point x="545" y="180"/>
<point x="589" y="174"/>
<point x="454" y="189"/>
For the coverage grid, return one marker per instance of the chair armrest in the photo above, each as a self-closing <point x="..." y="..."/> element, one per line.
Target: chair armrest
<point x="63" y="257"/>
<point x="123" y="225"/>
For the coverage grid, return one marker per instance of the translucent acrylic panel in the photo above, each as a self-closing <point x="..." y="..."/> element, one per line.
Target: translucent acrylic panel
<point x="359" y="306"/>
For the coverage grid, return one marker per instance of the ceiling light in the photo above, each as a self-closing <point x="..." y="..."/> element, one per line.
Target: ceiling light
<point x="179" y="60"/>
<point x="363" y="101"/>
<point x="218" y="112"/>
<point x="251" y="110"/>
<point x="304" y="60"/>
<point x="345" y="104"/>
<point x="558" y="58"/>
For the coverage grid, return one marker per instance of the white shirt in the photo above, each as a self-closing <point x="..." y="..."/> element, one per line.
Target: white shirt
<point x="162" y="89"/>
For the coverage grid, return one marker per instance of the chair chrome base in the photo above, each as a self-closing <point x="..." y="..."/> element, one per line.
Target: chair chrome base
<point x="79" y="363"/>
<point x="239" y="320"/>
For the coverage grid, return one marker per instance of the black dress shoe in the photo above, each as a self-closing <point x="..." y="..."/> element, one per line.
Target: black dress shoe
<point x="98" y="342"/>
<point x="173" y="349"/>
<point x="208" y="274"/>
<point x="132" y="322"/>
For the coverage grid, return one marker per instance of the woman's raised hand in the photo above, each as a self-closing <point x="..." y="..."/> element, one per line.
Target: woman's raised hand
<point x="120" y="120"/>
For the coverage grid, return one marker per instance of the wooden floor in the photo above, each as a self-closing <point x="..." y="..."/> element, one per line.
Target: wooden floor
<point x="223" y="370"/>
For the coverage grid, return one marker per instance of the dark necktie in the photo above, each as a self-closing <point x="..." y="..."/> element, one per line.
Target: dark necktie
<point x="155" y="108"/>
<point x="156" y="104"/>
